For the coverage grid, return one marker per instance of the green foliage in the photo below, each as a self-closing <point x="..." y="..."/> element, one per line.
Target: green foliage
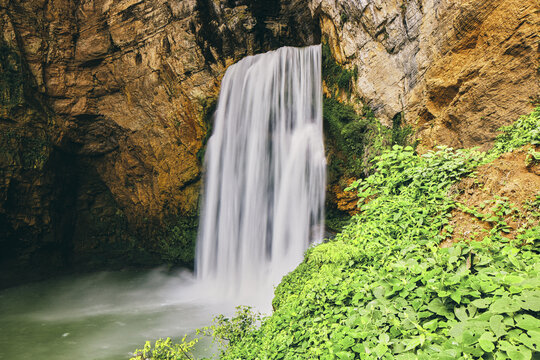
<point x="401" y="135"/>
<point x="526" y="130"/>
<point x="358" y="138"/>
<point x="354" y="136"/>
<point x="533" y="157"/>
<point x="224" y="331"/>
<point x="401" y="170"/>
<point x="336" y="115"/>
<point x="177" y="246"/>
<point x="503" y="211"/>
<point x="335" y="75"/>
<point x="384" y="289"/>
<point x="230" y="331"/>
<point x="166" y="350"/>
<point x="336" y="220"/>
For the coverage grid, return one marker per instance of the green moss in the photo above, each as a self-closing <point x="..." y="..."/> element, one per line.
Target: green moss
<point x="11" y="77"/>
<point x="335" y="75"/>
<point x="335" y="116"/>
<point x="207" y="117"/>
<point x="357" y="139"/>
<point x="177" y="245"/>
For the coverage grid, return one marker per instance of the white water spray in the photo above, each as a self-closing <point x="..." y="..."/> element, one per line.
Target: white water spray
<point x="265" y="173"/>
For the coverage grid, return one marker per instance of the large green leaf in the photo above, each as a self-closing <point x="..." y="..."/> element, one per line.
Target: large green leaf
<point x="504" y="305"/>
<point x="527" y="322"/>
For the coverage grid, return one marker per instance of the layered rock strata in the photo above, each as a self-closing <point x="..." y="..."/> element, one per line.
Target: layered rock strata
<point x="457" y="70"/>
<point x="102" y="101"/>
<point x="110" y="95"/>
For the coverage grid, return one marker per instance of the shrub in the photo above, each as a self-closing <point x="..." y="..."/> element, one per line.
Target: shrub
<point x="230" y="331"/>
<point x="384" y="289"/>
<point x="166" y="350"/>
<point x="526" y="130"/>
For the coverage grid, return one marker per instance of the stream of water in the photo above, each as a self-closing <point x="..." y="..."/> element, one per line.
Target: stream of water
<point x="266" y="167"/>
<point x="262" y="207"/>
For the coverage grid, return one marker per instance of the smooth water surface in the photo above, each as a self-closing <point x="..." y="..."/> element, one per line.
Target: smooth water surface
<point x="102" y="316"/>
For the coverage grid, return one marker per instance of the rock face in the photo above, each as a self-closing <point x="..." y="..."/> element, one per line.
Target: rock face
<point x="109" y="97"/>
<point x="458" y="70"/>
<point x="103" y="102"/>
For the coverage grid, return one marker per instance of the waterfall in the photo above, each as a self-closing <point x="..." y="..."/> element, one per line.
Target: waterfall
<point x="263" y="200"/>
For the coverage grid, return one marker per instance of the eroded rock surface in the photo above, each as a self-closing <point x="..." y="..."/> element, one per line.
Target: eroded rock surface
<point x="119" y="89"/>
<point x="502" y="198"/>
<point x="458" y="70"/>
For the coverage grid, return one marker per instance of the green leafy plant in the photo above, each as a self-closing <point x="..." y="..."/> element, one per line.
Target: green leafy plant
<point x="384" y="289"/>
<point x="224" y="331"/>
<point x="230" y="331"/>
<point x="526" y="130"/>
<point x="496" y="216"/>
<point x="335" y="75"/>
<point x="166" y="350"/>
<point x="533" y="157"/>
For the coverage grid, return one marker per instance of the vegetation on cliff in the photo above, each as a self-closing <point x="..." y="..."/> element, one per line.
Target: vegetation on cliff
<point x="353" y="136"/>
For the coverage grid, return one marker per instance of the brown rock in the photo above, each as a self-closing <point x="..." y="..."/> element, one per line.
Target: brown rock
<point x="109" y="94"/>
<point x="458" y="70"/>
<point x="507" y="180"/>
<point x="121" y="87"/>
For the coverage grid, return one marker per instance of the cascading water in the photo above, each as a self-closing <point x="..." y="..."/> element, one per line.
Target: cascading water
<point x="265" y="172"/>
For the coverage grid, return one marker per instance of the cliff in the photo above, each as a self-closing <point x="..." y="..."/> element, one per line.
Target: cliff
<point x="106" y="104"/>
<point x="103" y="119"/>
<point x="457" y="70"/>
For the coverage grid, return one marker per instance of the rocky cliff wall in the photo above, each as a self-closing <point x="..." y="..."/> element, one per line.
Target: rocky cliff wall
<point x="111" y="95"/>
<point x="458" y="70"/>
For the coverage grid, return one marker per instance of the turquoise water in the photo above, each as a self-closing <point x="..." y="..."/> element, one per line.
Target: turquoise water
<point x="101" y="316"/>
